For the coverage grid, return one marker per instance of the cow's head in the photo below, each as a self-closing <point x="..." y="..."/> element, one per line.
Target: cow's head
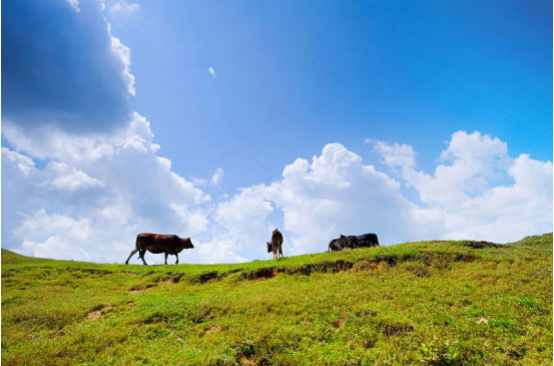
<point x="186" y="243"/>
<point x="269" y="248"/>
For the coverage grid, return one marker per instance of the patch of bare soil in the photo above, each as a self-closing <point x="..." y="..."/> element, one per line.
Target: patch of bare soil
<point x="482" y="244"/>
<point x="139" y="290"/>
<point x="98" y="312"/>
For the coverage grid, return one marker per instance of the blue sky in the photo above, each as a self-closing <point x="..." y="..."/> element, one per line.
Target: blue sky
<point x="306" y="74"/>
<point x="222" y="120"/>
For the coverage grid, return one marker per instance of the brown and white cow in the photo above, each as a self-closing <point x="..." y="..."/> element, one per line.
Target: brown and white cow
<point x="155" y="243"/>
<point x="276" y="244"/>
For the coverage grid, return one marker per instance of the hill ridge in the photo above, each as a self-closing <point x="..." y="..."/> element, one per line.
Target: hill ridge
<point x="448" y="302"/>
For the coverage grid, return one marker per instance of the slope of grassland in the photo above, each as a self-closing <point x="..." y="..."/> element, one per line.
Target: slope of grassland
<point x="435" y="303"/>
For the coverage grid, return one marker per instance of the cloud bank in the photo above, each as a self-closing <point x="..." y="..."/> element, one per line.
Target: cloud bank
<point x="92" y="208"/>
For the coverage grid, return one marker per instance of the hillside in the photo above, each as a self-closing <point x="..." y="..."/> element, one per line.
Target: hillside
<point x="434" y="303"/>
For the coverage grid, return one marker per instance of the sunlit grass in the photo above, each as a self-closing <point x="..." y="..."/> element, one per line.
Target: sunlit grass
<point x="420" y="303"/>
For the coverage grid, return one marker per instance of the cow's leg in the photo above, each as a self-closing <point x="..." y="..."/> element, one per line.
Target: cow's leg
<point x="166" y="254"/>
<point x="280" y="251"/>
<point x="130" y="255"/>
<point x="176" y="256"/>
<point x="142" y="253"/>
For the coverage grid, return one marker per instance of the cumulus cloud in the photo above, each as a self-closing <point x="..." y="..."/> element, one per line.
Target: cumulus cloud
<point x="477" y="192"/>
<point x="395" y="155"/>
<point x="244" y="220"/>
<point x="114" y="195"/>
<point x="67" y="178"/>
<point x="123" y="9"/>
<point x="469" y="189"/>
<point x="315" y="201"/>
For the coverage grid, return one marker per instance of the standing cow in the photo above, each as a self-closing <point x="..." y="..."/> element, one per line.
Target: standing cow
<point x="155" y="243"/>
<point x="276" y="244"/>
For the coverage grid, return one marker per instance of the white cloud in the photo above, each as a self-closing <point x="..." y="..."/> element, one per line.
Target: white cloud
<point x="470" y="164"/>
<point x="47" y="142"/>
<point x="470" y="193"/>
<point x="23" y="163"/>
<point x="131" y="189"/>
<point x="217" y="177"/>
<point x="506" y="213"/>
<point x="123" y="53"/>
<point x="118" y="183"/>
<point x="212" y="72"/>
<point x="334" y="194"/>
<point x="395" y="155"/>
<point x="66" y="178"/>
<point x="217" y="251"/>
<point x="74" y="4"/>
<point x="244" y="219"/>
<point x="124" y="9"/>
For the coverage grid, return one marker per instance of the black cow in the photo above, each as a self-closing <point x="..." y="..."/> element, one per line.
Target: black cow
<point x="353" y="242"/>
<point x="348" y="242"/>
<point x="368" y="241"/>
<point x="344" y="242"/>
<point x="334" y="245"/>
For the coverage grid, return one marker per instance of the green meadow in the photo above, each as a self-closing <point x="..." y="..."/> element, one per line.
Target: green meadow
<point x="425" y="303"/>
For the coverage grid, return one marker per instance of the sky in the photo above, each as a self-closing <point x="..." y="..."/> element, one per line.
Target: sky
<point x="221" y="121"/>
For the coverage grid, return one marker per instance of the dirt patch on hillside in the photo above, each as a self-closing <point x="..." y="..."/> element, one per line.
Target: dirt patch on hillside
<point x="97" y="312"/>
<point x="208" y="277"/>
<point x="140" y="289"/>
<point x="170" y="280"/>
<point x="103" y="310"/>
<point x="482" y="244"/>
<point x="261" y="273"/>
<point x="324" y="267"/>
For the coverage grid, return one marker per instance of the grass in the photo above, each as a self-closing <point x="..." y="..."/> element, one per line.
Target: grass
<point x="428" y="303"/>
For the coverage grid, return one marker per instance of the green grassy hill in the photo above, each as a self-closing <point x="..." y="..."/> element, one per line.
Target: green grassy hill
<point x="435" y="303"/>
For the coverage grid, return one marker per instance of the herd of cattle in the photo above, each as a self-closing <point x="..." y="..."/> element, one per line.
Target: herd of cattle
<point x="172" y="244"/>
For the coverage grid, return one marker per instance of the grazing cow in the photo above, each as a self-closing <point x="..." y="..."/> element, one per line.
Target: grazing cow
<point x="368" y="241"/>
<point x="344" y="242"/>
<point x="353" y="242"/>
<point x="334" y="245"/>
<point x="348" y="242"/>
<point x="154" y="243"/>
<point x="276" y="244"/>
